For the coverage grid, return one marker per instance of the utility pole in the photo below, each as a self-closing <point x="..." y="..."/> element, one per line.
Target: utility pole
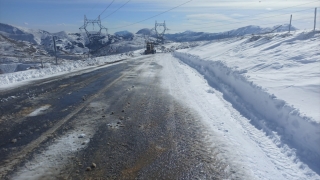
<point x="315" y="18"/>
<point x="55" y="48"/>
<point x="290" y="23"/>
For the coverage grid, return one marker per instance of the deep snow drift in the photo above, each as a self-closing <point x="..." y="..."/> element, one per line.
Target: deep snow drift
<point x="273" y="80"/>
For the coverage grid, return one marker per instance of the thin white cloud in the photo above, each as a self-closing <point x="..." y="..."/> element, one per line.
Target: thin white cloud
<point x="237" y="15"/>
<point x="209" y="17"/>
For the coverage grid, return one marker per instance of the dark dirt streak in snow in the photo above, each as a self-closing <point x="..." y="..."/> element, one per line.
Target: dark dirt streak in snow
<point x="156" y="137"/>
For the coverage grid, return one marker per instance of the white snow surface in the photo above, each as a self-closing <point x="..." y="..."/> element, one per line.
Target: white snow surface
<point x="40" y="110"/>
<point x="285" y="66"/>
<point x="253" y="147"/>
<point x="66" y="66"/>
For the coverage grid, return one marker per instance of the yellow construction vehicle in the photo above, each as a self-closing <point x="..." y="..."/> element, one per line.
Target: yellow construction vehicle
<point x="150" y="48"/>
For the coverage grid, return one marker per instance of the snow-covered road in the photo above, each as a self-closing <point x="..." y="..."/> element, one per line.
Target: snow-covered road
<point x="162" y="102"/>
<point x="250" y="151"/>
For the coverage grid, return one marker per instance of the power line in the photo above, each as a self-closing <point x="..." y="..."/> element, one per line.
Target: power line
<point x="116" y="9"/>
<point x="152" y="16"/>
<point x="106" y="8"/>
<point x="95" y="5"/>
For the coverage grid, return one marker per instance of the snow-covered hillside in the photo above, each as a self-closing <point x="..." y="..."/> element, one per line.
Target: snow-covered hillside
<point x="68" y="43"/>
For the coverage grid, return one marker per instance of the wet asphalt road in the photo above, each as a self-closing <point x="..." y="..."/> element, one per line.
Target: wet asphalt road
<point x="140" y="132"/>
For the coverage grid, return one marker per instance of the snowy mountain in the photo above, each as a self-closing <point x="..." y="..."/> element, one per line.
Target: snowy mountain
<point x="146" y="31"/>
<point x="67" y="43"/>
<point x="202" y="36"/>
<point x="71" y="45"/>
<point x="124" y="34"/>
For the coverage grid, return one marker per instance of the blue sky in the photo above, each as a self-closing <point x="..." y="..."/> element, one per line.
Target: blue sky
<point x="197" y="15"/>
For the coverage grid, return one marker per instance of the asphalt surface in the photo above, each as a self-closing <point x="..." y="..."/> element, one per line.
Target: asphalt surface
<point x="137" y="130"/>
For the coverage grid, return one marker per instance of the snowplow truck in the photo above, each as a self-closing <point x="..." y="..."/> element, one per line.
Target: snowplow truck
<point x="150" y="48"/>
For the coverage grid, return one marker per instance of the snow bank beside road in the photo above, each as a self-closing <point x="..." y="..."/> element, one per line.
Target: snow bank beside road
<point x="286" y="65"/>
<point x="254" y="102"/>
<point x="65" y="66"/>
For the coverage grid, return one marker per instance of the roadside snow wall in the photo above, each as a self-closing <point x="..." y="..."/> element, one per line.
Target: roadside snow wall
<point x="264" y="110"/>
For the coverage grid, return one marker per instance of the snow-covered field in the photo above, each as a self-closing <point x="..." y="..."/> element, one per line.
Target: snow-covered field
<point x="254" y="147"/>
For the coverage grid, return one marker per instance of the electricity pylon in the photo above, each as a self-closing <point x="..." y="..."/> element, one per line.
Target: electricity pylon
<point x="160" y="34"/>
<point x="93" y="35"/>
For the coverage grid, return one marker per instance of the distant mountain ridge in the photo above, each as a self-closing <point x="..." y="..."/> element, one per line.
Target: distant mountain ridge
<point x="66" y="42"/>
<point x="78" y="43"/>
<point x="202" y="36"/>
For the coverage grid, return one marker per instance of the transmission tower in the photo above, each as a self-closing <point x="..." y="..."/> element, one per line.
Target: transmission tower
<point x="93" y="35"/>
<point x="160" y="34"/>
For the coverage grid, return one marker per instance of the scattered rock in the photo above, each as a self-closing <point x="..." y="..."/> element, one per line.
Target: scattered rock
<point x="83" y="98"/>
<point x="81" y="136"/>
<point x="103" y="116"/>
<point x="77" y="171"/>
<point x="132" y="86"/>
<point x="93" y="165"/>
<point x="122" y="110"/>
<point x="118" y="122"/>
<point x="88" y="169"/>
<point x="14" y="140"/>
<point x="83" y="143"/>
<point x="121" y="118"/>
<point x="112" y="112"/>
